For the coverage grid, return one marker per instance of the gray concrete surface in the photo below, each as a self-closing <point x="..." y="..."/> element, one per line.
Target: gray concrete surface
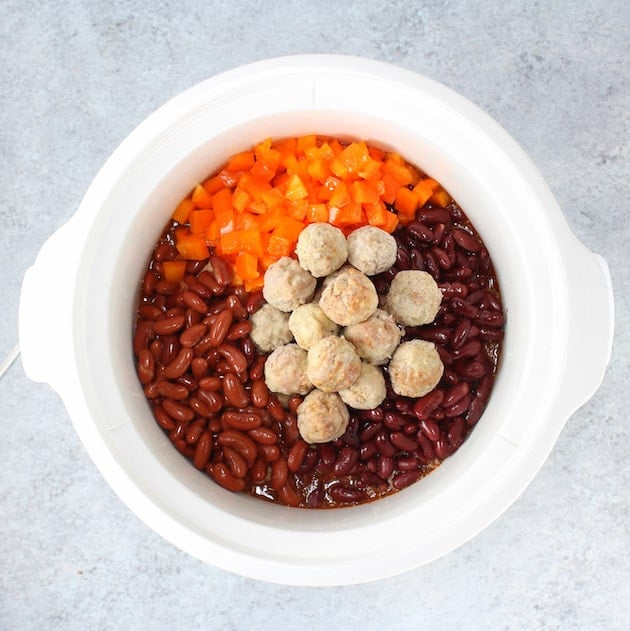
<point x="76" y="77"/>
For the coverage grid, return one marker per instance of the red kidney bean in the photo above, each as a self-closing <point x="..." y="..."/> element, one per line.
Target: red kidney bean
<point x="469" y="349"/>
<point x="148" y="283"/>
<point x="459" y="408"/>
<point x="456" y="430"/>
<point x="178" y="411"/>
<point x="194" y="301"/>
<point x="425" y="405"/>
<point x="484" y="387"/>
<point x="223" y="476"/>
<point x="241" y="420"/>
<point x="407" y="463"/>
<point x="405" y="478"/>
<point x="346" y="494"/>
<point x="420" y="231"/>
<point x="235" y="306"/>
<point x="259" y="470"/>
<point x="194" y="430"/>
<point x="238" y="331"/>
<point x="441" y="448"/>
<point x="179" y="365"/>
<point x="279" y="474"/>
<point x="149" y="312"/>
<point x="168" y="326"/>
<point x="235" y="462"/>
<point x="143" y="334"/>
<point x="429" y="428"/>
<point x="465" y="240"/>
<point x="384" y="466"/>
<point x="220" y="327"/>
<point x="200" y="407"/>
<point x="460" y="333"/>
<point x="383" y="443"/>
<point x="402" y="442"/>
<point x="470" y="370"/>
<point x="240" y="442"/>
<point x="254" y="301"/>
<point x="263" y="435"/>
<point x="203" y="450"/>
<point x="259" y="393"/>
<point x="315" y="498"/>
<point x="394" y="421"/>
<point x="274" y="407"/>
<point x="475" y="410"/>
<point x="426" y="447"/>
<point x="170" y="390"/>
<point x="163" y="419"/>
<point x="211" y="383"/>
<point x="310" y="460"/>
<point x="296" y="455"/>
<point x="492" y="319"/>
<point x="234" y="391"/>
<point x="455" y="393"/>
<point x="145" y="366"/>
<point x="288" y="494"/>
<point x="270" y="452"/>
<point x="199" y="367"/>
<point x="221" y="270"/>
<point x="234" y="357"/>
<point x="345" y="462"/>
<point x="433" y="215"/>
<point x="369" y="431"/>
<point x="192" y="335"/>
<point x="212" y="399"/>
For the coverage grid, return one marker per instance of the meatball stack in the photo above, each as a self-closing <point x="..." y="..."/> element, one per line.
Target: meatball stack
<point x="301" y="323"/>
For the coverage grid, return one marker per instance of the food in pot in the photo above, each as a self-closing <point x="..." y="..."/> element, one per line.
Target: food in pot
<point x="333" y="364"/>
<point x="376" y="338"/>
<point x="322" y="417"/>
<point x="349" y="298"/>
<point x="204" y="323"/>
<point x="308" y="324"/>
<point x="270" y="328"/>
<point x="414" y="298"/>
<point x="371" y="250"/>
<point x="321" y="249"/>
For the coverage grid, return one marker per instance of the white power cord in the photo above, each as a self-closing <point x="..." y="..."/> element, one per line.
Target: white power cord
<point x="9" y="359"/>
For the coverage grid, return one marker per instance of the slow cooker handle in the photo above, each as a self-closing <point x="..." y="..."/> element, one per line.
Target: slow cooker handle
<point x="45" y="311"/>
<point x="592" y="318"/>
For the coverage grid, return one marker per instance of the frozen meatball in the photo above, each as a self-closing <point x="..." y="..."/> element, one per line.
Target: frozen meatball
<point x="322" y="417"/>
<point x="308" y="323"/>
<point x="375" y="338"/>
<point x="371" y="250"/>
<point x="285" y="370"/>
<point x="333" y="364"/>
<point x="415" y="368"/>
<point x="321" y="249"/>
<point x="349" y="298"/>
<point x="287" y="285"/>
<point x="368" y="391"/>
<point x="270" y="328"/>
<point x="413" y="298"/>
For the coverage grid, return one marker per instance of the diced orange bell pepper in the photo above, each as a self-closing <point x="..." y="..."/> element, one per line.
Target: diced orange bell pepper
<point x="406" y="201"/>
<point x="279" y="246"/>
<point x="192" y="247"/>
<point x="391" y="222"/>
<point x="222" y="200"/>
<point x="424" y="189"/>
<point x="200" y="220"/>
<point x="241" y="161"/>
<point x="240" y="199"/>
<point x="317" y="213"/>
<point x="303" y="142"/>
<point x="347" y="215"/>
<point x="183" y="210"/>
<point x="362" y="193"/>
<point x="440" y="197"/>
<point x="254" y="284"/>
<point x="174" y="271"/>
<point x="375" y="214"/>
<point x="289" y="229"/>
<point x="246" y="266"/>
<point x="296" y="188"/>
<point x="201" y="198"/>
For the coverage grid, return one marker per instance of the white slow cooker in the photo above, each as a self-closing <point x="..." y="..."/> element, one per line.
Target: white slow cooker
<point x="557" y="296"/>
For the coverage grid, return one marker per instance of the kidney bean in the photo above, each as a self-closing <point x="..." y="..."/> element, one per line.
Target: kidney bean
<point x="236" y="307"/>
<point x="221" y="270"/>
<point x="402" y="442"/>
<point x="429" y="428"/>
<point x="404" y="479"/>
<point x="455" y="393"/>
<point x="234" y="391"/>
<point x="270" y="452"/>
<point x="394" y="421"/>
<point x="375" y="414"/>
<point x="259" y="470"/>
<point x="441" y="448"/>
<point x="433" y="215"/>
<point x="279" y="473"/>
<point x="491" y="319"/>
<point x="240" y="442"/>
<point x="178" y="366"/>
<point x="310" y="460"/>
<point x="178" y="411"/>
<point x="234" y="357"/>
<point x="212" y="399"/>
<point x="475" y="410"/>
<point x="369" y="431"/>
<point x="200" y="407"/>
<point x="194" y="430"/>
<point x="316" y="497"/>
<point x="345" y="461"/>
<point x="223" y="476"/>
<point x="235" y="462"/>
<point x="170" y="390"/>
<point x="345" y="494"/>
<point x="203" y="450"/>
<point x="145" y="366"/>
<point x="296" y="455"/>
<point x="470" y="369"/>
<point x="420" y="231"/>
<point x="238" y="331"/>
<point x="199" y="367"/>
<point x="192" y="335"/>
<point x="168" y="326"/>
<point x="194" y="301"/>
<point x="275" y="408"/>
<point x="425" y="405"/>
<point x="220" y="327"/>
<point x="264" y="435"/>
<point x="143" y="334"/>
<point x="288" y="494"/>
<point x="259" y="393"/>
<point x="460" y="333"/>
<point x="384" y="466"/>
<point x="241" y="420"/>
<point x="407" y="463"/>
<point x="367" y="450"/>
<point x="458" y="408"/>
<point x="465" y="240"/>
<point x="163" y="419"/>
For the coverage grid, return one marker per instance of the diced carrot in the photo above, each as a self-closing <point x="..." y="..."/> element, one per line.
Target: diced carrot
<point x="192" y="247"/>
<point x="174" y="271"/>
<point x="406" y="201"/>
<point x="201" y="198"/>
<point x="200" y="220"/>
<point x="183" y="210"/>
<point x="246" y="266"/>
<point x="242" y="161"/>
<point x="222" y="200"/>
<point x="317" y="213"/>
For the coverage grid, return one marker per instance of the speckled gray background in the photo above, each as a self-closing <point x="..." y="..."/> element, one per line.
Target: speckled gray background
<point x="77" y="77"/>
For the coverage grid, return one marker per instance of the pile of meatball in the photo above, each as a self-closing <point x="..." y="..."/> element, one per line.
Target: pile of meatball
<point x="331" y="336"/>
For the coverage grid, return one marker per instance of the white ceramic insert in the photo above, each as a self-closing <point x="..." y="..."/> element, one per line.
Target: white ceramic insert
<point x="557" y="295"/>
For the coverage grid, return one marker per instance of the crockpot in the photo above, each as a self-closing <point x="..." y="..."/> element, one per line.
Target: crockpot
<point x="557" y="296"/>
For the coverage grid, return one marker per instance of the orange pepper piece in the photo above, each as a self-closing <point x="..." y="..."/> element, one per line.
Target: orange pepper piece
<point x="174" y="271"/>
